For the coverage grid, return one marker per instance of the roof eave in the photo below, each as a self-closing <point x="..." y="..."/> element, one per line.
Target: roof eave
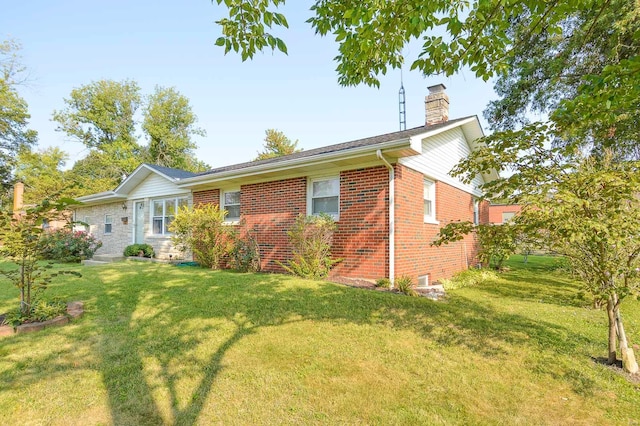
<point x="396" y="148"/>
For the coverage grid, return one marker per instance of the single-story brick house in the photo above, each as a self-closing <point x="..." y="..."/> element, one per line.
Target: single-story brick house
<point x="501" y="213"/>
<point x="390" y="194"/>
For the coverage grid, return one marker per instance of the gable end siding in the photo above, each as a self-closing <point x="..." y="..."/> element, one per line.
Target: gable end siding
<point x="440" y="153"/>
<point x="155" y="186"/>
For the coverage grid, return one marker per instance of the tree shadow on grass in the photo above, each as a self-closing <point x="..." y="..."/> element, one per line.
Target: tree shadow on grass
<point x="550" y="288"/>
<point x="148" y="312"/>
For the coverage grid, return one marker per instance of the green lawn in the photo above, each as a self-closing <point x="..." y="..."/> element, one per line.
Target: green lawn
<point x="165" y="345"/>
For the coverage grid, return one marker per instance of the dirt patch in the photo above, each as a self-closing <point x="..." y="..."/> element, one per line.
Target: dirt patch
<point x="617" y="368"/>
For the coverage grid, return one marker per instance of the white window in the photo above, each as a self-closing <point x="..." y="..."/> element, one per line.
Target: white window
<point x="163" y="212"/>
<point x="231" y="205"/>
<point x="108" y="223"/>
<point x="324" y="196"/>
<point x="429" y="201"/>
<point x="476" y="212"/>
<point x="507" y="216"/>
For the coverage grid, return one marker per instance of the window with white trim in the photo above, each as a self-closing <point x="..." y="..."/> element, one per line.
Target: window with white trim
<point x="476" y="212"/>
<point x="324" y="196"/>
<point x="507" y="216"/>
<point x="231" y="204"/>
<point x="163" y="212"/>
<point x="108" y="223"/>
<point x="429" y="190"/>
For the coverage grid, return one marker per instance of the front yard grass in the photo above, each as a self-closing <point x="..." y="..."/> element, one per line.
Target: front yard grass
<point x="165" y="345"/>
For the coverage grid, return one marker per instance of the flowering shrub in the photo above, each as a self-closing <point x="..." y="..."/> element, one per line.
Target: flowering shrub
<point x="65" y="245"/>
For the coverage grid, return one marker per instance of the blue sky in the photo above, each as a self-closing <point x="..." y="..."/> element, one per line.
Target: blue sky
<point x="67" y="44"/>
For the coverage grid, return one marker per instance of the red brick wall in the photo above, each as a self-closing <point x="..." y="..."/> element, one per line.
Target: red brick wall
<point x="362" y="236"/>
<point x="414" y="255"/>
<point x="361" y="240"/>
<point x="210" y="196"/>
<point x="268" y="210"/>
<point x="495" y="211"/>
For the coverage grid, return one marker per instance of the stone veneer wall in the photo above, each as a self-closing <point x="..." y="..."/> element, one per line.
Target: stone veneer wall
<point x="122" y="233"/>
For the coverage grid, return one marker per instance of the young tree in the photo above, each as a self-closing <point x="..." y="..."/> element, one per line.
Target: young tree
<point x="276" y="144"/>
<point x="585" y="208"/>
<point x="14" y="115"/>
<point x="170" y="125"/>
<point x="20" y="235"/>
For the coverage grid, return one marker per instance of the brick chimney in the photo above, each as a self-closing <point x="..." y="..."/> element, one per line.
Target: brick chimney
<point x="18" y="194"/>
<point x="436" y="105"/>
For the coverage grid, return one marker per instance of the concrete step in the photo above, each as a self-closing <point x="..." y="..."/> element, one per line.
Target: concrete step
<point x="90" y="262"/>
<point x="108" y="258"/>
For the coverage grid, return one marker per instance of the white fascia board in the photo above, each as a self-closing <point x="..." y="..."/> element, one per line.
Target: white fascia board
<point x="288" y="164"/>
<point x="101" y="197"/>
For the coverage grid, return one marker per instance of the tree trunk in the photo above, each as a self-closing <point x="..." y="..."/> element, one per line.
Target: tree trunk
<point x="613" y="334"/>
<point x="628" y="357"/>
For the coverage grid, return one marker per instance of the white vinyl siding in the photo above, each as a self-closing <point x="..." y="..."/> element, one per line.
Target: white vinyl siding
<point x="155" y="186"/>
<point x="440" y="153"/>
<point x="324" y="196"/>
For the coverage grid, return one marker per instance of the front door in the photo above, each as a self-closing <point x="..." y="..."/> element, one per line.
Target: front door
<point x="138" y="221"/>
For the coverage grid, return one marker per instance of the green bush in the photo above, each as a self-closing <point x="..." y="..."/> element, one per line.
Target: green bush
<point x="311" y="238"/>
<point x="245" y="256"/>
<point x="65" y="245"/>
<point x="135" y="249"/>
<point x="383" y="283"/>
<point x="203" y="232"/>
<point x="404" y="284"/>
<point x="40" y="310"/>
<point x="469" y="278"/>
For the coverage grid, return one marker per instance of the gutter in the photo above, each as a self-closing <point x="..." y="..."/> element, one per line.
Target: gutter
<point x="392" y="218"/>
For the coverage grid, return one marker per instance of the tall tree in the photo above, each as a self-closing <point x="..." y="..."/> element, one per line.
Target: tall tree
<point x="14" y="115"/>
<point x="101" y="116"/>
<point x="170" y="124"/>
<point x="42" y="174"/>
<point x="277" y="144"/>
<point x="550" y="73"/>
<point x="372" y="35"/>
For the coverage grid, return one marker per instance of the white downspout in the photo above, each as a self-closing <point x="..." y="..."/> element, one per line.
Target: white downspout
<point x="392" y="218"/>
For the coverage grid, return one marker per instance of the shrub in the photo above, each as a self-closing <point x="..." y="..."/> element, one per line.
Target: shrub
<point x="40" y="310"/>
<point x="311" y="238"/>
<point x="469" y="278"/>
<point x="404" y="284"/>
<point x="65" y="245"/>
<point x="136" y="249"/>
<point x="203" y="232"/>
<point x="245" y="256"/>
<point x="383" y="283"/>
